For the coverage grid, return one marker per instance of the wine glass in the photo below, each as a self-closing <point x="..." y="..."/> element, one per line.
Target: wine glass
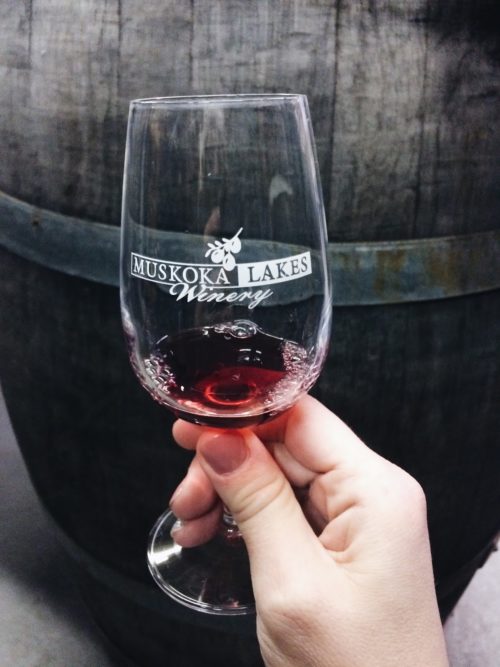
<point x="225" y="290"/>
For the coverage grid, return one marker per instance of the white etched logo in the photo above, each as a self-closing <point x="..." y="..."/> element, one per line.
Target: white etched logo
<point x="224" y="280"/>
<point x="223" y="252"/>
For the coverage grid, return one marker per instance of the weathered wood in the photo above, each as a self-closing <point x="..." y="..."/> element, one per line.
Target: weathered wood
<point x="419" y="382"/>
<point x="101" y="458"/>
<point x="404" y="98"/>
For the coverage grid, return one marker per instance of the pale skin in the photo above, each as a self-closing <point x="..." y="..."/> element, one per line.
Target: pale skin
<point x="337" y="539"/>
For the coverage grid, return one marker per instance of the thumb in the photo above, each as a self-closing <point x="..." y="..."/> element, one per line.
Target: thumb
<point x="255" y="490"/>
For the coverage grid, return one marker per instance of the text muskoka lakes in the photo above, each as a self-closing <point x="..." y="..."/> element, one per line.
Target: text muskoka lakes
<point x="202" y="282"/>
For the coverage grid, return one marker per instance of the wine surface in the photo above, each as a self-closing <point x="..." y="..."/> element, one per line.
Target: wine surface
<point x="232" y="374"/>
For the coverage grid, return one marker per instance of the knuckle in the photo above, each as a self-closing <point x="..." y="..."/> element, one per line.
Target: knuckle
<point x="261" y="492"/>
<point x="412" y="493"/>
<point x="292" y="609"/>
<point x="326" y="482"/>
<point x="408" y="500"/>
<point x="398" y="495"/>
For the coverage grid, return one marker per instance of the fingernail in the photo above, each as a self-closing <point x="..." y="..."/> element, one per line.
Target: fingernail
<point x="175" y="528"/>
<point x="225" y="453"/>
<point x="175" y="495"/>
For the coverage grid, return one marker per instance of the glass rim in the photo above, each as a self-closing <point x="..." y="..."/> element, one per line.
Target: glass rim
<point x="210" y="99"/>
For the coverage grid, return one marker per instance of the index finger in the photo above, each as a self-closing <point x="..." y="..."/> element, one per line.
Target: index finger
<point x="186" y="434"/>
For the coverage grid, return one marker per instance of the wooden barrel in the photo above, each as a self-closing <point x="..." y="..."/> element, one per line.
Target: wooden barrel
<point x="404" y="99"/>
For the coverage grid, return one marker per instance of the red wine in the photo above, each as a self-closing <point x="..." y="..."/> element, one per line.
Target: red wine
<point x="232" y="374"/>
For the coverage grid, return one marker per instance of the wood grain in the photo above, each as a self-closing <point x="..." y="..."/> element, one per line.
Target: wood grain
<point x="404" y="99"/>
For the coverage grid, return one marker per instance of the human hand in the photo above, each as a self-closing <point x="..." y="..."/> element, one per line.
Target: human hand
<point x="342" y="578"/>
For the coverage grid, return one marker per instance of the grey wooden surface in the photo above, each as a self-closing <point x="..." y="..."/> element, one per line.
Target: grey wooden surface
<point x="404" y="97"/>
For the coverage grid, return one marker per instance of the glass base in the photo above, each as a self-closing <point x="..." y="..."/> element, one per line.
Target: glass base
<point x="213" y="578"/>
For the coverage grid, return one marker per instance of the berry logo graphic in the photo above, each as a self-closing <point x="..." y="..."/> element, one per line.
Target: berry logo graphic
<point x="224" y="280"/>
<point x="222" y="252"/>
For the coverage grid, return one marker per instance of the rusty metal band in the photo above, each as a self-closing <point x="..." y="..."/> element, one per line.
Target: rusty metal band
<point x="374" y="273"/>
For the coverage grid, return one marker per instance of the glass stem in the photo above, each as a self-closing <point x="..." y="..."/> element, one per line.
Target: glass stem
<point x="230" y="526"/>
